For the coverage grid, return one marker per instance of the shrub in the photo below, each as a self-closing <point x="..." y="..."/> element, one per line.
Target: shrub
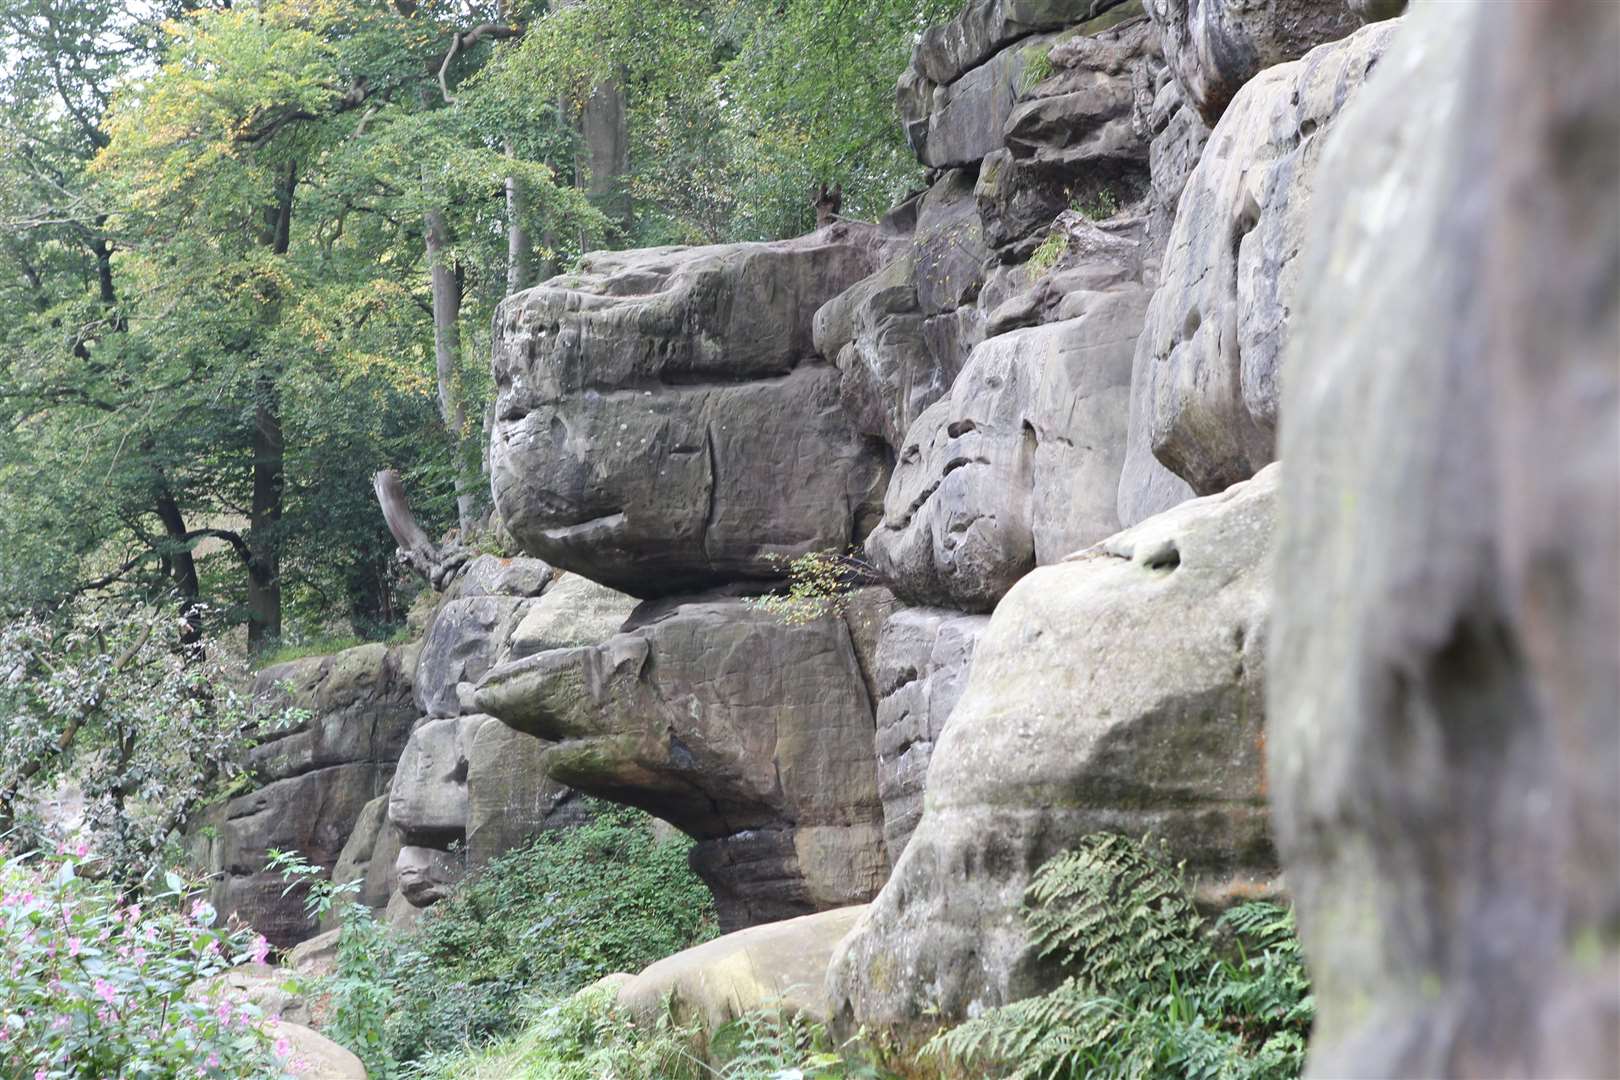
<point x="548" y="918"/>
<point x="1150" y="996"/>
<point x="819" y="584"/>
<point x="93" y="984"/>
<point x="1100" y="206"/>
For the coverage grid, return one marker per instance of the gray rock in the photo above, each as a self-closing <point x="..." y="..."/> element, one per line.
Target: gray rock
<point x="510" y="796"/>
<point x="749" y="734"/>
<point x="1118" y="690"/>
<point x="368" y="855"/>
<point x="662" y="424"/>
<point x="462" y="642"/>
<point x="1214" y="47"/>
<point x="1019" y="465"/>
<point x="574" y="611"/>
<point x="963" y="120"/>
<point x="1217" y="327"/>
<point x="317" y="779"/>
<point x="949" y="50"/>
<point x="1074" y="139"/>
<point x="923" y="660"/>
<point x="1443" y="742"/>
<point x="426" y="875"/>
<point x="428" y="800"/>
<point x="491" y="575"/>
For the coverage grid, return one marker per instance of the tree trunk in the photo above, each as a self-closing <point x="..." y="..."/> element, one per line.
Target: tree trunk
<point x="606" y="151"/>
<point x="519" y="246"/>
<point x="446" y="351"/>
<point x="183" y="566"/>
<point x="269" y="460"/>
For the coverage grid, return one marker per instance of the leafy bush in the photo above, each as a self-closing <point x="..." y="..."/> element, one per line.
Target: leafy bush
<point x="92" y="985"/>
<point x="572" y="906"/>
<point x="1101" y="205"/>
<point x="1150" y="996"/>
<point x="819" y="583"/>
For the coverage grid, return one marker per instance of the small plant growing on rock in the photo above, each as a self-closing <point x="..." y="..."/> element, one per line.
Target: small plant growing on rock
<point x="1099" y="206"/>
<point x="819" y="584"/>
<point x="1150" y="997"/>
<point x="1047" y="255"/>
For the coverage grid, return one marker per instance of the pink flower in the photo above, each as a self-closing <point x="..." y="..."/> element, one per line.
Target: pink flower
<point x="261" y="949"/>
<point x="106" y="991"/>
<point x="74" y="945"/>
<point x="283" y="1048"/>
<point x="213" y="1061"/>
<point x="82" y="849"/>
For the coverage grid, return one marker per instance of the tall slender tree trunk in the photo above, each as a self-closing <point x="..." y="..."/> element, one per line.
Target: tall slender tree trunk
<point x="269" y="459"/>
<point x="446" y="291"/>
<point x="519" y="245"/>
<point x="182" y="565"/>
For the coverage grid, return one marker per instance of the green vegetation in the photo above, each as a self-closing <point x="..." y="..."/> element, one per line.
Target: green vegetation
<point x="1052" y="249"/>
<point x="1099" y="206"/>
<point x="94" y="984"/>
<point x="1151" y="996"/>
<point x="1037" y="67"/>
<point x="819" y="583"/>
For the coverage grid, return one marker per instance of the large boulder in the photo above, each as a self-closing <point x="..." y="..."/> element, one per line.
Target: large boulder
<point x="923" y="658"/>
<point x="780" y="966"/>
<point x="317" y="778"/>
<point x="947" y="51"/>
<point x="510" y="796"/>
<point x="663" y="423"/>
<point x="1444" y="737"/>
<point x="1118" y="690"/>
<point x="750" y="734"/>
<point x="428" y="800"/>
<point x="1214" y="339"/>
<point x="463" y="639"/>
<point x="574" y="611"/>
<point x="1019" y="465"/>
<point x="1214" y="47"/>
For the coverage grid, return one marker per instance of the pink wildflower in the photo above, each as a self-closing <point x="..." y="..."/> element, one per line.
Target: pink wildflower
<point x="106" y="991"/>
<point x="283" y="1048"/>
<point x="261" y="949"/>
<point x="74" y="945"/>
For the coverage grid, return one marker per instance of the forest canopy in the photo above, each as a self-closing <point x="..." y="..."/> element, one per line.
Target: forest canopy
<point x="250" y="253"/>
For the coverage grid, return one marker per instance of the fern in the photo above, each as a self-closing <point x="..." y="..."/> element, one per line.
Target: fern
<point x="1149" y="996"/>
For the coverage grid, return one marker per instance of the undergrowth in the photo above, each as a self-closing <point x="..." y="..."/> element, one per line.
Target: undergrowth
<point x="1151" y="995"/>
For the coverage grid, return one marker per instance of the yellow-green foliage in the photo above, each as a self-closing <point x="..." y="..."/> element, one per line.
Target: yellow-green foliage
<point x="1047" y="255"/>
<point x="819" y="584"/>
<point x="1100" y="206"/>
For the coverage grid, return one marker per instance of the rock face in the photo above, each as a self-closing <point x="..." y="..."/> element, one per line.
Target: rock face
<point x="1213" y="345"/>
<point x="780" y="966"/>
<point x="749" y="734"/>
<point x="318" y="779"/>
<point x="1216" y="46"/>
<point x="574" y="611"/>
<point x="922" y="666"/>
<point x="1444" y="744"/>
<point x="1120" y="689"/>
<point x="1019" y="465"/>
<point x="663" y="424"/>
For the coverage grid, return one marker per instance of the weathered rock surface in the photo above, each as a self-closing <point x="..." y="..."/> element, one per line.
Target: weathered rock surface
<point x="1077" y="137"/>
<point x="492" y="575"/>
<point x="1120" y="689"/>
<point x="1214" y="47"/>
<point x="947" y="51"/>
<point x="959" y="123"/>
<point x="1444" y="746"/>
<point x="316" y="1057"/>
<point x="749" y="734"/>
<point x="663" y="424"/>
<point x="574" y="611"/>
<point x="318" y="776"/>
<point x="428" y="800"/>
<point x="1215" y="334"/>
<point x="923" y="660"/>
<point x="778" y="966"/>
<point x="1019" y="465"/>
<point x="426" y="874"/>
<point x="368" y="855"/>
<point x="462" y="641"/>
<point x="510" y="797"/>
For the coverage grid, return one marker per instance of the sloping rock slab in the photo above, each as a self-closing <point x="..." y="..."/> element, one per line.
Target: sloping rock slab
<point x="1118" y="690"/>
<point x="663" y="423"/>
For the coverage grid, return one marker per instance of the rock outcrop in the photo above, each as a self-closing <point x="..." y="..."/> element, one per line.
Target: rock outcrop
<point x="1216" y="46"/>
<point x="1120" y="689"/>
<point x="317" y="778"/>
<point x="1020" y="464"/>
<point x="779" y="967"/>
<point x="663" y="422"/>
<point x="923" y="658"/>
<point x="1212" y="348"/>
<point x="750" y="734"/>
<point x="1446" y="687"/>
